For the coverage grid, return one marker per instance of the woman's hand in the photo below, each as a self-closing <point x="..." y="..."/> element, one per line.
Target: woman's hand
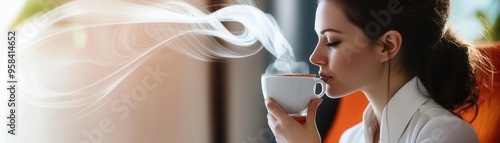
<point x="288" y="130"/>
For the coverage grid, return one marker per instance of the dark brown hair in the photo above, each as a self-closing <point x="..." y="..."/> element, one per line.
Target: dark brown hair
<point x="445" y="65"/>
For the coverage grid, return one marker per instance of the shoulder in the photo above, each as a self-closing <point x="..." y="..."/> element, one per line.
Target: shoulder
<point x="439" y="125"/>
<point x="353" y="134"/>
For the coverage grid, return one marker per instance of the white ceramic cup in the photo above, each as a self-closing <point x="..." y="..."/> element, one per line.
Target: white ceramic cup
<point x="292" y="92"/>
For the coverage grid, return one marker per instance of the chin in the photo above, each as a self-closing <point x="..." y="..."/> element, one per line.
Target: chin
<point x="339" y="91"/>
<point x="335" y="95"/>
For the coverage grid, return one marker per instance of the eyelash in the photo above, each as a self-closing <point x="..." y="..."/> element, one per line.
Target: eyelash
<point x="333" y="44"/>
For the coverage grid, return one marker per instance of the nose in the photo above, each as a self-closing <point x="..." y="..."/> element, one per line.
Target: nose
<point x="318" y="57"/>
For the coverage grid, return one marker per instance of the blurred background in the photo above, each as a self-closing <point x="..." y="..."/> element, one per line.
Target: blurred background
<point x="214" y="102"/>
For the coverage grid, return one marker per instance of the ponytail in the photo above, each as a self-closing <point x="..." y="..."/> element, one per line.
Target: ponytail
<point x="449" y="73"/>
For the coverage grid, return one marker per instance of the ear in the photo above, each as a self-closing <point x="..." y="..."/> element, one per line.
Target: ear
<point x="391" y="42"/>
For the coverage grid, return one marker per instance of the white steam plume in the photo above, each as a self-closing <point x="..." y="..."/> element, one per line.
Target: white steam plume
<point x="167" y="24"/>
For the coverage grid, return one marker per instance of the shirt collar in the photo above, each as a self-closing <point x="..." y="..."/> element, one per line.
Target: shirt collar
<point x="398" y="111"/>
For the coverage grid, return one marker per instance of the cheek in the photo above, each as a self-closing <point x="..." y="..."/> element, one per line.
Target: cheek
<point x="351" y="69"/>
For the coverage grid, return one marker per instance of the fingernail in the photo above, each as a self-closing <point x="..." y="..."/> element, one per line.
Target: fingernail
<point x="320" y="100"/>
<point x="266" y="102"/>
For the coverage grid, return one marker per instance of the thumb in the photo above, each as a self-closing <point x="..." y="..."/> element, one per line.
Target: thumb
<point x="311" y="111"/>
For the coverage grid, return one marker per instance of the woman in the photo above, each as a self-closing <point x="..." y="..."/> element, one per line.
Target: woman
<point x="413" y="71"/>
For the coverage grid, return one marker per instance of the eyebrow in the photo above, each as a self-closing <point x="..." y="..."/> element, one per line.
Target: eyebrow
<point x="329" y="30"/>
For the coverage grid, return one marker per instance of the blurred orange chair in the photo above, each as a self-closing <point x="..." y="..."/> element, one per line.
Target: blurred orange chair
<point x="487" y="122"/>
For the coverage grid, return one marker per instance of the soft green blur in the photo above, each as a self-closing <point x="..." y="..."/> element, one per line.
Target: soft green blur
<point x="36" y="6"/>
<point x="491" y="29"/>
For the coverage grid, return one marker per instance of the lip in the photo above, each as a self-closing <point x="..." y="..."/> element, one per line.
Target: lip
<point x="324" y="77"/>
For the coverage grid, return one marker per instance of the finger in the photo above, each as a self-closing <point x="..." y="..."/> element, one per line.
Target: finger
<point x="271" y="121"/>
<point x="275" y="110"/>
<point x="271" y="118"/>
<point x="311" y="111"/>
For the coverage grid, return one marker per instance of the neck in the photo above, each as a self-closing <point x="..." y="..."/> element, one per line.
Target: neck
<point x="379" y="94"/>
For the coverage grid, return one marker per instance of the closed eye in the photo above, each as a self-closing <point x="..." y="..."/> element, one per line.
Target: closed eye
<point x="333" y="43"/>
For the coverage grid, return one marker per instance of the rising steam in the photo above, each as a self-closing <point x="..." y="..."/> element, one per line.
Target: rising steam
<point x="139" y="30"/>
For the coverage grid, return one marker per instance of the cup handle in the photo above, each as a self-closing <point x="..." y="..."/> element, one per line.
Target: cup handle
<point x="323" y="87"/>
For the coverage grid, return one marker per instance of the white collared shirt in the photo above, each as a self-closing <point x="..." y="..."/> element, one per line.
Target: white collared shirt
<point x="412" y="117"/>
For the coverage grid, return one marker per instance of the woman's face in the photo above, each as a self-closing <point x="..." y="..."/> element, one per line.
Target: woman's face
<point x="346" y="60"/>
